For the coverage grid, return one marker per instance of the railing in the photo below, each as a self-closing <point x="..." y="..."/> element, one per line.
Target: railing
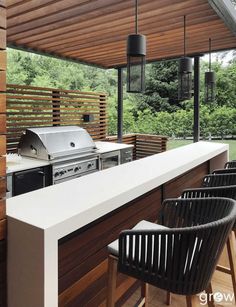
<point x="29" y="106"/>
<point x="144" y="144"/>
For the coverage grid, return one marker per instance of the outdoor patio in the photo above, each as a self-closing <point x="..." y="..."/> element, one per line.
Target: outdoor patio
<point x="72" y="264"/>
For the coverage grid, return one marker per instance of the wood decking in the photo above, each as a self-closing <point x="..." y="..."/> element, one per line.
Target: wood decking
<point x="221" y="283"/>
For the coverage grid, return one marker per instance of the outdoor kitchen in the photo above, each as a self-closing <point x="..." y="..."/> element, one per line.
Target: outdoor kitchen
<point x="52" y="155"/>
<point x="95" y="209"/>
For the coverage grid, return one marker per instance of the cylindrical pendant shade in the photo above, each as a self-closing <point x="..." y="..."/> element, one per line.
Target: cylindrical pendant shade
<point x="136" y="52"/>
<point x="210" y="86"/>
<point x="185" y="79"/>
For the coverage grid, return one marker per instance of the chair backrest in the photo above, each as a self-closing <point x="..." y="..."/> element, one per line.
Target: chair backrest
<point x="224" y="171"/>
<point x="216" y="180"/>
<point x="222" y="191"/>
<point x="230" y="164"/>
<point x="180" y="260"/>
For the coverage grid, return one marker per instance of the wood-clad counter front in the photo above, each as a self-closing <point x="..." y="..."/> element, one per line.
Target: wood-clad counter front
<point x="82" y="262"/>
<point x="82" y="256"/>
<point x="57" y="236"/>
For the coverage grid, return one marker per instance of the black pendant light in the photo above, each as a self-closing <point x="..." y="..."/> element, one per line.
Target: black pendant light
<point x="136" y="52"/>
<point x="210" y="80"/>
<point x="185" y="73"/>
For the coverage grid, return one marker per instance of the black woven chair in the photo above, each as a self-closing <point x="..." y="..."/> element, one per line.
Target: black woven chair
<point x="224" y="171"/>
<point x="216" y="180"/>
<point x="230" y="164"/>
<point x="180" y="259"/>
<point x="229" y="192"/>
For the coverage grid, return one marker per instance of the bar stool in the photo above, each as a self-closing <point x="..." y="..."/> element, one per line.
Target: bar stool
<point x="230" y="164"/>
<point x="229" y="192"/>
<point x="224" y="171"/>
<point x="216" y="180"/>
<point x="173" y="257"/>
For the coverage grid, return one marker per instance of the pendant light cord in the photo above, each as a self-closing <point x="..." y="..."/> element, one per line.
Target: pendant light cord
<point x="136" y="16"/>
<point x="184" y="36"/>
<point x="209" y="54"/>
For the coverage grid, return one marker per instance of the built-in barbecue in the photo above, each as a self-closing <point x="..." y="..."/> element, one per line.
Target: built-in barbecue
<point x="69" y="149"/>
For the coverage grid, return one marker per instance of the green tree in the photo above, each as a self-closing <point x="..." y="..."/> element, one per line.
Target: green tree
<point x="161" y="87"/>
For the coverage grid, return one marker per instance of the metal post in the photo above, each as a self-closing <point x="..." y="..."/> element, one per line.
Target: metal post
<point x="120" y="105"/>
<point x="196" y="126"/>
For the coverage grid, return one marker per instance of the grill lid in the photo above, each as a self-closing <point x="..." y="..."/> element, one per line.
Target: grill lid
<point x="49" y="143"/>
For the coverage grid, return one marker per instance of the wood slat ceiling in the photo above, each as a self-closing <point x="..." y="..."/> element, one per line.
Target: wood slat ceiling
<point x="95" y="31"/>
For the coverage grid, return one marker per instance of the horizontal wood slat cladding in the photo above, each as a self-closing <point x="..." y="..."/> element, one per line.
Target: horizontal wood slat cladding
<point x="191" y="179"/>
<point x="3" y="187"/>
<point x="2" y="123"/>
<point x="29" y="106"/>
<point x="3" y="60"/>
<point x="2" y="208"/>
<point x="80" y="30"/>
<point x="3" y="229"/>
<point x="2" y="144"/>
<point x="83" y="255"/>
<point x="2" y="102"/>
<point x="2" y="166"/>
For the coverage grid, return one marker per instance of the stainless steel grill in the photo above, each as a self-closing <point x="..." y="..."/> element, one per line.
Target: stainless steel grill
<point x="69" y="149"/>
<point x="52" y="143"/>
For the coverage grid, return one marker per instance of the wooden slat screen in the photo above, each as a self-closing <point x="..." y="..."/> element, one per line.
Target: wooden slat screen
<point x="29" y="106"/>
<point x="144" y="144"/>
<point x="147" y="145"/>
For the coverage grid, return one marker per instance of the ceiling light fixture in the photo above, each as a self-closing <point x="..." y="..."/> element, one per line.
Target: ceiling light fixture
<point x="185" y="73"/>
<point x="136" y="58"/>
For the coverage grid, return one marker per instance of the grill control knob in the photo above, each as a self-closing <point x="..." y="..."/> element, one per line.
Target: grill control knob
<point x="62" y="172"/>
<point x="89" y="165"/>
<point x="56" y="174"/>
<point x="76" y="169"/>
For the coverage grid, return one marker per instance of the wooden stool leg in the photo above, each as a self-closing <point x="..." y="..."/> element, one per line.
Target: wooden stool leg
<point x="192" y="301"/>
<point x="168" y="298"/>
<point x="144" y="294"/>
<point x="210" y="298"/>
<point x="232" y="260"/>
<point x="111" y="287"/>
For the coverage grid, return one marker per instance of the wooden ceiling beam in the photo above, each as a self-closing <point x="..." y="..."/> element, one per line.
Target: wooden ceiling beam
<point x="100" y="24"/>
<point x="178" y="46"/>
<point x="115" y="9"/>
<point x="125" y="29"/>
<point x="172" y="35"/>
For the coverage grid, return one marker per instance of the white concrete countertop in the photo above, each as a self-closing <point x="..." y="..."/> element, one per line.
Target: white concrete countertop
<point x="25" y="163"/>
<point x="70" y="205"/>
<point x="37" y="220"/>
<point x="104" y="147"/>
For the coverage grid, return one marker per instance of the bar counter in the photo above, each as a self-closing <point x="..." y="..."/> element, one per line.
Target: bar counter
<point x="57" y="236"/>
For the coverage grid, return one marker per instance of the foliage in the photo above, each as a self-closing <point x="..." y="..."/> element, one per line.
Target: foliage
<point x="161" y="87"/>
<point x="157" y="111"/>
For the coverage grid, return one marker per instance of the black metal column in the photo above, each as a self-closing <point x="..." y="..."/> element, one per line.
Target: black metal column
<point x="120" y="106"/>
<point x="196" y="125"/>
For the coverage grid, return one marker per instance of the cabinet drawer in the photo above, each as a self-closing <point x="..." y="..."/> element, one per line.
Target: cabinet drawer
<point x="126" y="155"/>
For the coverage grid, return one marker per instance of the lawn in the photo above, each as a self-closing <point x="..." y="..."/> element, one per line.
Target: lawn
<point x="232" y="145"/>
